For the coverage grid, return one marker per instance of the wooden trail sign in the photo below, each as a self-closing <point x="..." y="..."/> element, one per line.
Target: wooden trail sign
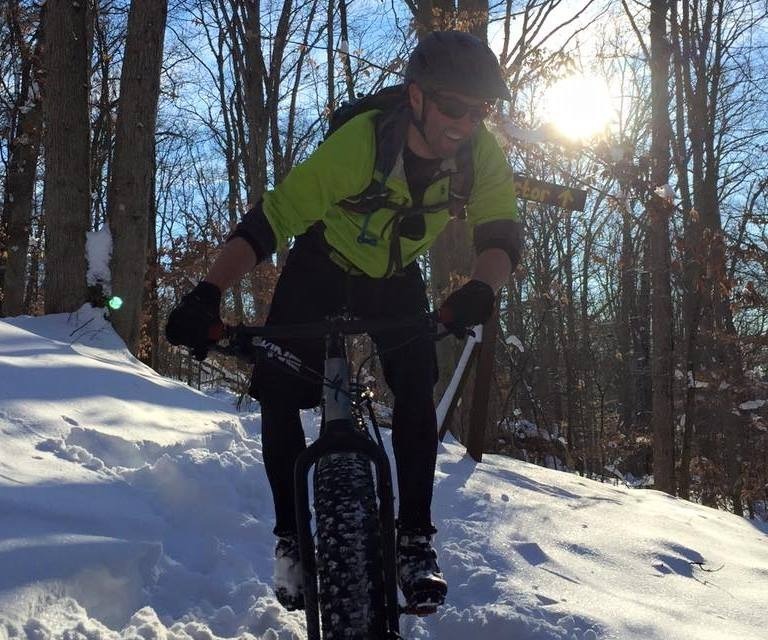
<point x="549" y="193"/>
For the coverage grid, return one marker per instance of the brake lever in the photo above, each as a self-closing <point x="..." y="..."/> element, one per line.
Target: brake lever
<point x="441" y="331"/>
<point x="232" y="341"/>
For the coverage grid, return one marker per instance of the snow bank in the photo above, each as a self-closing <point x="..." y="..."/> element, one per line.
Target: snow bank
<point x="135" y="507"/>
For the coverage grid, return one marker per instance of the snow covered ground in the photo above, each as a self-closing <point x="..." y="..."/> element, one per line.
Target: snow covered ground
<point x="132" y="506"/>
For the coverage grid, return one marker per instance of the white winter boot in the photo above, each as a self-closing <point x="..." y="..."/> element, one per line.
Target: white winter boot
<point x="288" y="580"/>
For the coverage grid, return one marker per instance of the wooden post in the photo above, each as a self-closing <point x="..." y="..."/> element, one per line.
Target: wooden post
<point x="481" y="394"/>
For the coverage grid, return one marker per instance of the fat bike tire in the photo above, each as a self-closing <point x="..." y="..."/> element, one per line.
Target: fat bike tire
<point x="349" y="564"/>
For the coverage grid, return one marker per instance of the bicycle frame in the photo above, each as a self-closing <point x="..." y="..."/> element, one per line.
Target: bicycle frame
<point x="338" y="435"/>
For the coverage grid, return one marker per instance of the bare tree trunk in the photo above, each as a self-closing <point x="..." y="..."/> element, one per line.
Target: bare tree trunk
<point x="642" y="342"/>
<point x="577" y="427"/>
<point x="546" y="384"/>
<point x="129" y="199"/>
<point x="20" y="183"/>
<point x="585" y="357"/>
<point x="262" y="97"/>
<point x="151" y="355"/>
<point x="330" y="86"/>
<point x="273" y="93"/>
<point x="256" y="110"/>
<point x="695" y="98"/>
<point x="150" y="342"/>
<point x="345" y="59"/>
<point x="660" y="210"/>
<point x="18" y="203"/>
<point x="32" y="302"/>
<point x="292" y="145"/>
<point x="480" y="416"/>
<point x="67" y="193"/>
<point x="102" y="135"/>
<point x="627" y="311"/>
<point x="231" y="146"/>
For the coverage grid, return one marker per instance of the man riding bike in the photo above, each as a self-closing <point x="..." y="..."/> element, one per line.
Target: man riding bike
<point x="363" y="207"/>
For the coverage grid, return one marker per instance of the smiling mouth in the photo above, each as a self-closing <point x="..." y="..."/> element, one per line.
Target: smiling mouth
<point x="454" y="137"/>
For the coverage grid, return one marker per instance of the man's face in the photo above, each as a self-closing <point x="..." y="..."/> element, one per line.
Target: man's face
<point x="449" y="119"/>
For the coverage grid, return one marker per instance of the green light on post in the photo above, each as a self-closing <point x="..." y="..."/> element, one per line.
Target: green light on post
<point x="115" y="302"/>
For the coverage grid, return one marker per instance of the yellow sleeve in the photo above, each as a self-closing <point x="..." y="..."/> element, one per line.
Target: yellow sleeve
<point x="493" y="192"/>
<point x="342" y="166"/>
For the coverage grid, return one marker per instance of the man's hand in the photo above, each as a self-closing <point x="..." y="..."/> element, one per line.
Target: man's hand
<point x="466" y="307"/>
<point x="195" y="320"/>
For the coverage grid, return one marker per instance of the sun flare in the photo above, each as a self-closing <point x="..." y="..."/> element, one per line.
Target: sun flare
<point x="579" y="107"/>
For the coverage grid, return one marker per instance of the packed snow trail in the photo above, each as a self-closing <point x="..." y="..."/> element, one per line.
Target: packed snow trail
<point x="135" y="507"/>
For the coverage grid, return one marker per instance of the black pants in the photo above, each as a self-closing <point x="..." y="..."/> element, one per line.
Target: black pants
<point x="311" y="286"/>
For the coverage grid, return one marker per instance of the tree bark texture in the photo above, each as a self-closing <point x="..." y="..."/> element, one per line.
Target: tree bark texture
<point x="256" y="110"/>
<point x="129" y="199"/>
<point x="627" y="313"/>
<point x="641" y="333"/>
<point x="19" y="189"/>
<point x="659" y="212"/>
<point x="480" y="414"/>
<point x="66" y="191"/>
<point x="227" y="45"/>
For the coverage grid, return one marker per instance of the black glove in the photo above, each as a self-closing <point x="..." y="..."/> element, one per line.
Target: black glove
<point x="466" y="307"/>
<point x="195" y="320"/>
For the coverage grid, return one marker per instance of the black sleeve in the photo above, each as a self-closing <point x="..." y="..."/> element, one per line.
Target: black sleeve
<point x="500" y="234"/>
<point x="255" y="230"/>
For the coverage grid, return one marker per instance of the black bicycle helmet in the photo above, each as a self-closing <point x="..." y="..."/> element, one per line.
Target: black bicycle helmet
<point x="457" y="61"/>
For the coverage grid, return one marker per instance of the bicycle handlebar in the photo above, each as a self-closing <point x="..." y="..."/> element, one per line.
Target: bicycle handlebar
<point x="237" y="340"/>
<point x="341" y="325"/>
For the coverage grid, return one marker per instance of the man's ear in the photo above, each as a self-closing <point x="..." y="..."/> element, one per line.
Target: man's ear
<point x="416" y="97"/>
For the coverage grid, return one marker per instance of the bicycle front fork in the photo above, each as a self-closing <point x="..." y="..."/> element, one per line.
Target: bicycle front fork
<point x="339" y="435"/>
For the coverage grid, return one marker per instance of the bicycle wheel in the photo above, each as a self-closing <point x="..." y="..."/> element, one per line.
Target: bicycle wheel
<point x="349" y="565"/>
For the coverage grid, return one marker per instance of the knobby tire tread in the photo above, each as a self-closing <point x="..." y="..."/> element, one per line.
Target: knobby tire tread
<point x="349" y="564"/>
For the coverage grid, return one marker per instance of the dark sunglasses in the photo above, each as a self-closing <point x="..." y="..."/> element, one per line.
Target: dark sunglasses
<point x="456" y="109"/>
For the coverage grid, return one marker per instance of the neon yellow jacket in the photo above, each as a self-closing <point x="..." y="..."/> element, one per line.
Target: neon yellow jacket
<point x="342" y="167"/>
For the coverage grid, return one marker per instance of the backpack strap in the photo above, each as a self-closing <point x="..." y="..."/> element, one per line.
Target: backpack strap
<point x="461" y="182"/>
<point x="390" y="134"/>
